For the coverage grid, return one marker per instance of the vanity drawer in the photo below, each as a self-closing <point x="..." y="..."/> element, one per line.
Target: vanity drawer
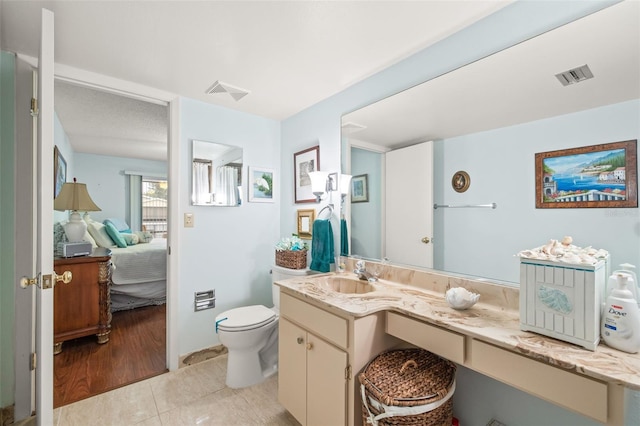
<point x="577" y="393"/>
<point x="321" y="323"/>
<point x="441" y="342"/>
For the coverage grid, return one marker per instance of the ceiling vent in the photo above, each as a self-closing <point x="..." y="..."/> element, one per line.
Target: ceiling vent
<point x="222" y="87"/>
<point x="351" y="127"/>
<point x="575" y="75"/>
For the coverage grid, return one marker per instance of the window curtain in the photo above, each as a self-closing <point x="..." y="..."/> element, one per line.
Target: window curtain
<point x="134" y="218"/>
<point x="201" y="190"/>
<point x="227" y="186"/>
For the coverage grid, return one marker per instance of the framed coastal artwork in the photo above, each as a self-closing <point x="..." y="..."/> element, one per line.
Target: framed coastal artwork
<point x="591" y="176"/>
<point x="59" y="171"/>
<point x="304" y="162"/>
<point x="260" y="185"/>
<point x="360" y="189"/>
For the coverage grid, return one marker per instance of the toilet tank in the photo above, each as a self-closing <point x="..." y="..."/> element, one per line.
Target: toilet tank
<point x="281" y="273"/>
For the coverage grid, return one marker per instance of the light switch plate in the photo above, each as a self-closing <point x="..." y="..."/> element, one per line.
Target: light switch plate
<point x="188" y="220"/>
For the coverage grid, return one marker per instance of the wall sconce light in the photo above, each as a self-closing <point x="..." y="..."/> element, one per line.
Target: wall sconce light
<point x="323" y="182"/>
<point x="74" y="196"/>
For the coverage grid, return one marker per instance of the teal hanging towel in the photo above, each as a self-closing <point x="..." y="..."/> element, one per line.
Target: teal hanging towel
<point x="344" y="238"/>
<point x="322" y="251"/>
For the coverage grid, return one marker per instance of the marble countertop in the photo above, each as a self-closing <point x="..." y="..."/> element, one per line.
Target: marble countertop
<point x="494" y="319"/>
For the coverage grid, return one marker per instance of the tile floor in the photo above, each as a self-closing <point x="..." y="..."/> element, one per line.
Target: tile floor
<point x="193" y="395"/>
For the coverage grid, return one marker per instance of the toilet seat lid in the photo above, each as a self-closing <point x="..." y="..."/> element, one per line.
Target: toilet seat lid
<point x="245" y="318"/>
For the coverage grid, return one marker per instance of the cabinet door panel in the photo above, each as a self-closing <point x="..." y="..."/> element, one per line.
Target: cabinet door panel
<point x="292" y="369"/>
<point x="326" y="384"/>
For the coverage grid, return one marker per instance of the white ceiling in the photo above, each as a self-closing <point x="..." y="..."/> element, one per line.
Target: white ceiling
<point x="517" y="85"/>
<point x="288" y="54"/>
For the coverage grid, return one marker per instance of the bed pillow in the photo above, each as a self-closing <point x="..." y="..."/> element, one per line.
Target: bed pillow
<point x="144" y="236"/>
<point x="131" y="239"/>
<point x="58" y="235"/>
<point x="115" y="235"/>
<point x="99" y="233"/>
<point x="88" y="238"/>
<point x="119" y="224"/>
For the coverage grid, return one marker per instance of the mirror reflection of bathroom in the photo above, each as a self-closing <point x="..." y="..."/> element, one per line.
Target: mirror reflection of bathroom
<point x="216" y="174"/>
<point x="493" y="133"/>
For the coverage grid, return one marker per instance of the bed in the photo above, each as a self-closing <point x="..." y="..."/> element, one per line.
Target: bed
<point x="139" y="264"/>
<point x="139" y="275"/>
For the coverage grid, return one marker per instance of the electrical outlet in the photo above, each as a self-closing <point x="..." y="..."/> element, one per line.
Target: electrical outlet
<point x="188" y="220"/>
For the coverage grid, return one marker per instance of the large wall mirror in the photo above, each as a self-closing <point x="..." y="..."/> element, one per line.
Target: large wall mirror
<point x="489" y="119"/>
<point x="216" y="174"/>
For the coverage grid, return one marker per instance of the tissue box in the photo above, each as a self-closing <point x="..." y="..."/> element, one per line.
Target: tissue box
<point x="563" y="300"/>
<point x="292" y="259"/>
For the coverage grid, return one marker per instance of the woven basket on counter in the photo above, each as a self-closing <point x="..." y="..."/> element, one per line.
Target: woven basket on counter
<point x="292" y="259"/>
<point x="408" y="387"/>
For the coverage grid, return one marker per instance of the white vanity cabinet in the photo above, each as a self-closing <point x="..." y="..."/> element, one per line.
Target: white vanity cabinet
<point x="313" y="371"/>
<point x="320" y="356"/>
<point x="592" y="398"/>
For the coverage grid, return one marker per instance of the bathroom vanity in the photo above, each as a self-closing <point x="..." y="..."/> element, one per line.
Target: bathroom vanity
<point x="348" y="325"/>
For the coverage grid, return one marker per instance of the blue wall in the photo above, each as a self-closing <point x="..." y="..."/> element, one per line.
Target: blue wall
<point x="7" y="193"/>
<point x="366" y="216"/>
<point x="230" y="249"/>
<point x="501" y="165"/>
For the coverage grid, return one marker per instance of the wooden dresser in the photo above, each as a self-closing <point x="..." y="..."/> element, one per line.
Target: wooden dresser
<point x="82" y="307"/>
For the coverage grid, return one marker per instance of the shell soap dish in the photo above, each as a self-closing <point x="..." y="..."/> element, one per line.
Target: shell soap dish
<point x="460" y="298"/>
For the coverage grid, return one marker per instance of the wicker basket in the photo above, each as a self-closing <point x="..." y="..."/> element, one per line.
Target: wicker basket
<point x="292" y="259"/>
<point x="407" y="387"/>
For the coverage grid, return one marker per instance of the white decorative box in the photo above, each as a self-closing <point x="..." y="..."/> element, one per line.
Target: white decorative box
<point x="563" y="300"/>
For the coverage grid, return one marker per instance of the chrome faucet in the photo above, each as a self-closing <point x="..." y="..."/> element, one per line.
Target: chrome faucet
<point x="362" y="273"/>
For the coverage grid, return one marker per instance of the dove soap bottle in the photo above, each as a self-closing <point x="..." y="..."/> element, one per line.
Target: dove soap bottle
<point x="621" y="318"/>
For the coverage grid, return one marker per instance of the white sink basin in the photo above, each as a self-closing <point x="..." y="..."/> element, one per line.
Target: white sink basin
<point x="344" y="285"/>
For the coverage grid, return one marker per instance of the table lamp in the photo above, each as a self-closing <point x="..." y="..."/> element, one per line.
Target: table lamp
<point x="74" y="197"/>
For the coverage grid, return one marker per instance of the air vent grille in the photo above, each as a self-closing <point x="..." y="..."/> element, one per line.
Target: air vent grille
<point x="221" y="87"/>
<point x="351" y="127"/>
<point x="575" y="75"/>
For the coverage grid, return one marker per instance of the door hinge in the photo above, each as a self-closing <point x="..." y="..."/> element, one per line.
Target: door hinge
<point x="34" y="360"/>
<point x="34" y="107"/>
<point x="347" y="373"/>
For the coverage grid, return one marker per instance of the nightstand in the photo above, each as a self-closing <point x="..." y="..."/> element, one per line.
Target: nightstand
<point x="82" y="307"/>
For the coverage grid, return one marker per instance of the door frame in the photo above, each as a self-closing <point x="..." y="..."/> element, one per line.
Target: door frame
<point x="149" y="94"/>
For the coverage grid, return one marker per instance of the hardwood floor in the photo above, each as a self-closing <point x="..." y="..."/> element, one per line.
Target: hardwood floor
<point x="136" y="351"/>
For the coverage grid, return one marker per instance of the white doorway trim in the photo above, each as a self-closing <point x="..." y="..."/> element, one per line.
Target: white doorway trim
<point x="161" y="97"/>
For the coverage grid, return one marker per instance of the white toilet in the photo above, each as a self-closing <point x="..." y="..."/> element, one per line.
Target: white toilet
<point x="250" y="334"/>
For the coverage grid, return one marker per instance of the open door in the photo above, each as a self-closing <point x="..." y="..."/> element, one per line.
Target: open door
<point x="409" y="205"/>
<point x="44" y="200"/>
<point x="40" y="276"/>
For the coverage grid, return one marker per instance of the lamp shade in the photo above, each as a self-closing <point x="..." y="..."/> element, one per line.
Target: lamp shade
<point x="74" y="196"/>
<point x="318" y="182"/>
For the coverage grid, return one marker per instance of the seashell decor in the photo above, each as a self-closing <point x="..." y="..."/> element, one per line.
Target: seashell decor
<point x="564" y="251"/>
<point x="461" y="298"/>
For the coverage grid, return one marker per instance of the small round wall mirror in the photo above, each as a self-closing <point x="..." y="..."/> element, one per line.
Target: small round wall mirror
<point x="460" y="181"/>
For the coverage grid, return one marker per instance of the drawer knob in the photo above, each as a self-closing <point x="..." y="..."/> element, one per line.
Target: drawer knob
<point x="300" y="340"/>
<point x="309" y="346"/>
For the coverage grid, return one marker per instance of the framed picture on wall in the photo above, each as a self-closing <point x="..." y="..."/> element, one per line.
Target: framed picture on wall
<point x="359" y="189"/>
<point x="591" y="176"/>
<point x="305" y="223"/>
<point x="260" y="185"/>
<point x="304" y="162"/>
<point x="59" y="171"/>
